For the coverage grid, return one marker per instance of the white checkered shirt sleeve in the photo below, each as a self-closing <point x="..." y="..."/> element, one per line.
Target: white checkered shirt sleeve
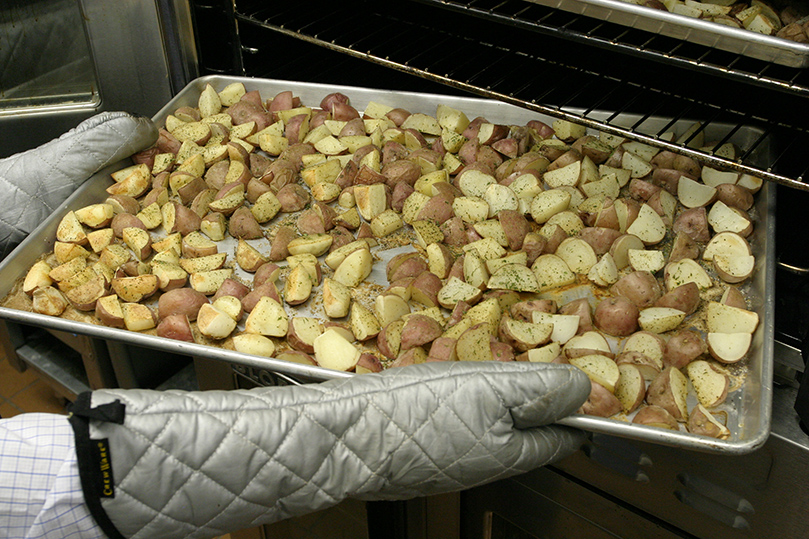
<point x="40" y="490"/>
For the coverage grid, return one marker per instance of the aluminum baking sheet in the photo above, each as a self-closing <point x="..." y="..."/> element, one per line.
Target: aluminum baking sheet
<point x="736" y="40"/>
<point x="748" y="408"/>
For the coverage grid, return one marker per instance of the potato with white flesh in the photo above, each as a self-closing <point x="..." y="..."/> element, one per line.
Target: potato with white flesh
<point x="389" y="308"/>
<point x="208" y="282"/>
<point x="630" y="389"/>
<point x="135" y="289"/>
<point x="710" y="382"/>
<point x="600" y="369"/>
<point x="721" y="318"/>
<point x="473" y="344"/>
<point x="604" y="272"/>
<point x="138" y="317"/>
<point x="669" y="390"/>
<point x="364" y="324"/>
<point x="646" y="260"/>
<point x="303" y="330"/>
<point x="333" y="351"/>
<point x="552" y="272"/>
<point x="543" y="354"/>
<point x="648" y="227"/>
<point x="686" y="271"/>
<point x="456" y="290"/>
<point x="268" y="318"/>
<point x="355" y="268"/>
<point x="214" y="322"/>
<point x="513" y="277"/>
<point x="723" y="218"/>
<point x="577" y="254"/>
<point x="70" y="229"/>
<point x="297" y="286"/>
<point x="660" y="319"/>
<point x="523" y="335"/>
<point x="336" y="298"/>
<point x="729" y="347"/>
<point x="589" y="342"/>
<point x="565" y="326"/>
<point x="693" y="194"/>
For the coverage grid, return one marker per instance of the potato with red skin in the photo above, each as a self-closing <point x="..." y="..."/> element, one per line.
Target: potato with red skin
<point x="501" y="351"/>
<point x="640" y="287"/>
<point x="735" y="196"/>
<point x="581" y="308"/>
<point x="185" y="301"/>
<point x="167" y="143"/>
<point x="454" y="231"/>
<point x="683" y="347"/>
<point x="524" y="310"/>
<point x="368" y="363"/>
<point x="279" y="247"/>
<point x="667" y="391"/>
<point x="694" y="224"/>
<point x="310" y="222"/>
<point x="295" y="152"/>
<point x="472" y="129"/>
<point x="424" y="289"/>
<point x="125" y="220"/>
<point x="533" y="245"/>
<point x="515" y="226"/>
<point x="255" y="188"/>
<point x="268" y="289"/>
<point x="556" y="235"/>
<point x="389" y="339"/>
<point x="443" y="349"/>
<point x="683" y="247"/>
<point x="642" y="190"/>
<point x="683" y="298"/>
<point x="601" y="402"/>
<point x="734" y="298"/>
<point x="242" y="224"/>
<point x="175" y="326"/>
<point x="281" y="173"/>
<point x="419" y="330"/>
<point x="438" y="210"/>
<point x="401" y="191"/>
<point x="655" y="416"/>
<point x="293" y="197"/>
<point x="231" y="287"/>
<point x="599" y="238"/>
<point x="405" y="265"/>
<point x="401" y="170"/>
<point x="616" y="316"/>
<point x="667" y="178"/>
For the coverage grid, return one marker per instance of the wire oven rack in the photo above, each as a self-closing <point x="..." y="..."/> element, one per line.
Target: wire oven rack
<point x="553" y="62"/>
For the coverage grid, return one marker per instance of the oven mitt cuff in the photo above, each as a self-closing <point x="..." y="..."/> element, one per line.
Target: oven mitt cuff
<point x="34" y="183"/>
<point x="201" y="464"/>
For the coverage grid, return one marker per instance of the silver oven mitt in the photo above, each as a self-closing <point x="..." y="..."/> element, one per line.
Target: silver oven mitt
<point x="200" y="464"/>
<point x="34" y="183"/>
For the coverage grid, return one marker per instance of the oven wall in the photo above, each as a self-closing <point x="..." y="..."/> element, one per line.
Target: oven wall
<point x="134" y="68"/>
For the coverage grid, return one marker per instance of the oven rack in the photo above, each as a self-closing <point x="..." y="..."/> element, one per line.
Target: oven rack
<point x="542" y="60"/>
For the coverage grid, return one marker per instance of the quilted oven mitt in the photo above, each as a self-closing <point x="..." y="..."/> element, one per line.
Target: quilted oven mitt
<point x="200" y="464"/>
<point x="34" y="183"/>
